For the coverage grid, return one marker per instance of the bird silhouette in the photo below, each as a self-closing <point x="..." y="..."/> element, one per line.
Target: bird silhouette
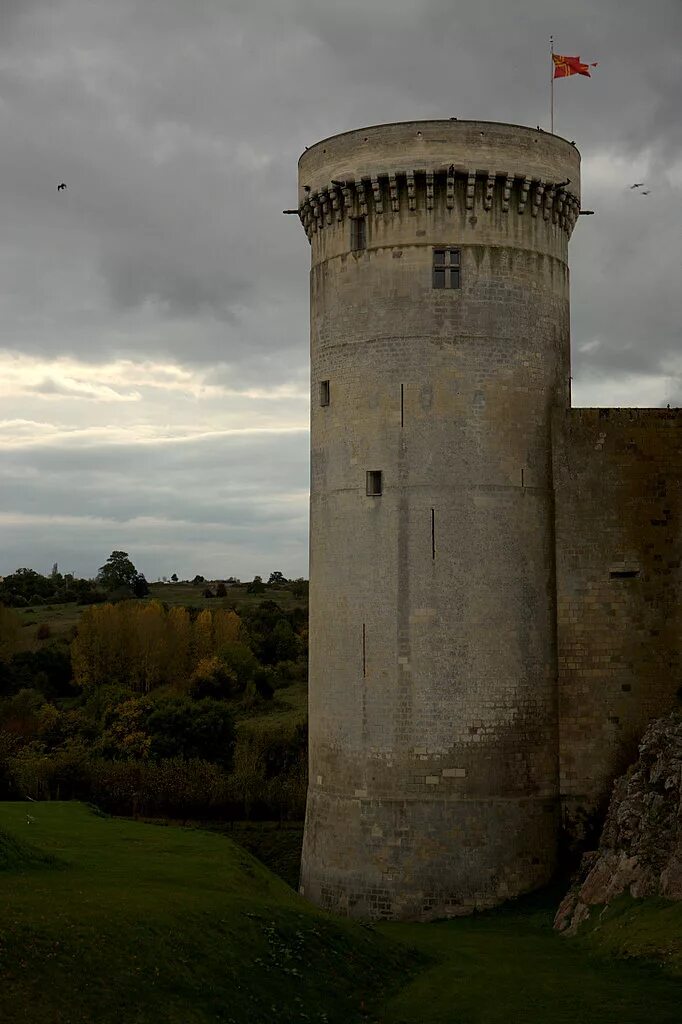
<point x="647" y="193"/>
<point x="637" y="184"/>
<point x="60" y="187"/>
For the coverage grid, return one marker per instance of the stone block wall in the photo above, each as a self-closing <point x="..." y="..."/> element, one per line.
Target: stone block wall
<point x="618" y="494"/>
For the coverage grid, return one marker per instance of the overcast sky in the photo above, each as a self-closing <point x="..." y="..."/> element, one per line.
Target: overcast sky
<point x="154" y="316"/>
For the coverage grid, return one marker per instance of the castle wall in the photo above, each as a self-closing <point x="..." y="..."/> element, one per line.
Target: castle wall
<point x="618" y="481"/>
<point x="433" y="712"/>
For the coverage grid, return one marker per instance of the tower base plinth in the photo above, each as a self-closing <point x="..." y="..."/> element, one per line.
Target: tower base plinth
<point x="413" y="860"/>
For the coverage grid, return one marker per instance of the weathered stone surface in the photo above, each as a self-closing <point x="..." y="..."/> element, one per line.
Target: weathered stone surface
<point x="433" y="718"/>
<point x="618" y="500"/>
<point x="498" y="627"/>
<point x="640" y="851"/>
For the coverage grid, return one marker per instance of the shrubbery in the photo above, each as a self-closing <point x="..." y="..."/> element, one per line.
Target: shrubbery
<point x="137" y="714"/>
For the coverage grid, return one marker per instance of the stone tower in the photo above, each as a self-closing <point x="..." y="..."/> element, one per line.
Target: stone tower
<point x="439" y="350"/>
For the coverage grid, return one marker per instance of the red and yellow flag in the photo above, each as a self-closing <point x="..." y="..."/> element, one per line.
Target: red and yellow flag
<point x="566" y="66"/>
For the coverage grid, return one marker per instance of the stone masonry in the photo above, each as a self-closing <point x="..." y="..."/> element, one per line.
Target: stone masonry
<point x="440" y="360"/>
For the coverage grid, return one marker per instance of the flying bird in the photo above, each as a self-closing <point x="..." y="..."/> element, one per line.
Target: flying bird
<point x="637" y="184"/>
<point x="60" y="187"/>
<point x="647" y="193"/>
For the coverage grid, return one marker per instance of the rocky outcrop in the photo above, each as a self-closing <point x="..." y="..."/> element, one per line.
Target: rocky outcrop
<point x="640" y="850"/>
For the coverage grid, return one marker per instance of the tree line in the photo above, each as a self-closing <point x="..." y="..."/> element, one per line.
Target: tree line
<point x="143" y="697"/>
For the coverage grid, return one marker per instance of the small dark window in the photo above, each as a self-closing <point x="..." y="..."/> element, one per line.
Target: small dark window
<point x="358" y="233"/>
<point x="373" y="482"/>
<point x="446" y="268"/>
<point x="624" y="574"/>
<point x="324" y="392"/>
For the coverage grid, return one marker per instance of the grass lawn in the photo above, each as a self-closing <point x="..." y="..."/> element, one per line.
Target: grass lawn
<point x="137" y="923"/>
<point x="144" y="923"/>
<point x="509" y="967"/>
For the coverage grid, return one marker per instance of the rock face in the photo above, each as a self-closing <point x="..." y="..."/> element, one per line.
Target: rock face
<point x="640" y="851"/>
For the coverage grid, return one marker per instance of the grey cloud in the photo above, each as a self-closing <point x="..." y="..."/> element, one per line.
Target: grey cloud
<point x="244" y="490"/>
<point x="177" y="128"/>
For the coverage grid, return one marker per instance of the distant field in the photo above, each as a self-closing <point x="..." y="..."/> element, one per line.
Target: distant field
<point x="144" y="923"/>
<point x="61" y="618"/>
<point x="187" y="594"/>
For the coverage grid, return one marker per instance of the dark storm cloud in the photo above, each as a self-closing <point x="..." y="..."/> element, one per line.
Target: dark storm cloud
<point x="177" y="128"/>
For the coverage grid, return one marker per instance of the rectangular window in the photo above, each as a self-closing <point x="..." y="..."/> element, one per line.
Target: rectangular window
<point x="446" y="268"/>
<point x="324" y="392"/>
<point x="373" y="482"/>
<point x="358" y="233"/>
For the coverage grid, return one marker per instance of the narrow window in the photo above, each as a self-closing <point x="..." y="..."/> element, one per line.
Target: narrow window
<point x="373" y="482"/>
<point x="364" y="651"/>
<point x="358" y="233"/>
<point x="624" y="574"/>
<point x="446" y="268"/>
<point x="324" y="392"/>
<point x="402" y="405"/>
<point x="433" y="534"/>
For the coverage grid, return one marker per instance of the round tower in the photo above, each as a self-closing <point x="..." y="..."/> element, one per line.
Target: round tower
<point x="439" y="347"/>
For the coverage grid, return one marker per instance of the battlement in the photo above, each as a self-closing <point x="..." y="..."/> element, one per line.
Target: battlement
<point x="467" y="189"/>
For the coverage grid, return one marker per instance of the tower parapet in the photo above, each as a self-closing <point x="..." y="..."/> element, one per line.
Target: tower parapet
<point x="439" y="348"/>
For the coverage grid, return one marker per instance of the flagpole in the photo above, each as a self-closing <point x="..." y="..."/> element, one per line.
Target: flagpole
<point x="551" y="85"/>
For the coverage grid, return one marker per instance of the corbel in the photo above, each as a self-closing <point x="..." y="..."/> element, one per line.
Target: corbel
<point x="393" y="192"/>
<point x="471" y="189"/>
<point x="336" y="203"/>
<point x="347" y="195"/>
<point x="549" y="203"/>
<point x="317" y="212"/>
<point x="429" y="190"/>
<point x="411" y="195"/>
<point x="450" y="189"/>
<point x="326" y="206"/>
<point x="525" y="186"/>
<point x="489" y="191"/>
<point x="376" y="191"/>
<point x="506" y="192"/>
<point x="537" y="198"/>
<point x="362" y="197"/>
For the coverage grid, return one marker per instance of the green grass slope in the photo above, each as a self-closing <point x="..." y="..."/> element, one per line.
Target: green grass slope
<point x="628" y="928"/>
<point x="16" y="855"/>
<point x="144" y="923"/>
<point x="164" y="924"/>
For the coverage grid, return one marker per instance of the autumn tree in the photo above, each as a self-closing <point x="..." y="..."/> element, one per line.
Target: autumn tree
<point x="141" y="647"/>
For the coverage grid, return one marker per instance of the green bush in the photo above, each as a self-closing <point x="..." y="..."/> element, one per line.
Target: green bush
<point x="213" y="678"/>
<point x="141" y="727"/>
<point x="191" y="729"/>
